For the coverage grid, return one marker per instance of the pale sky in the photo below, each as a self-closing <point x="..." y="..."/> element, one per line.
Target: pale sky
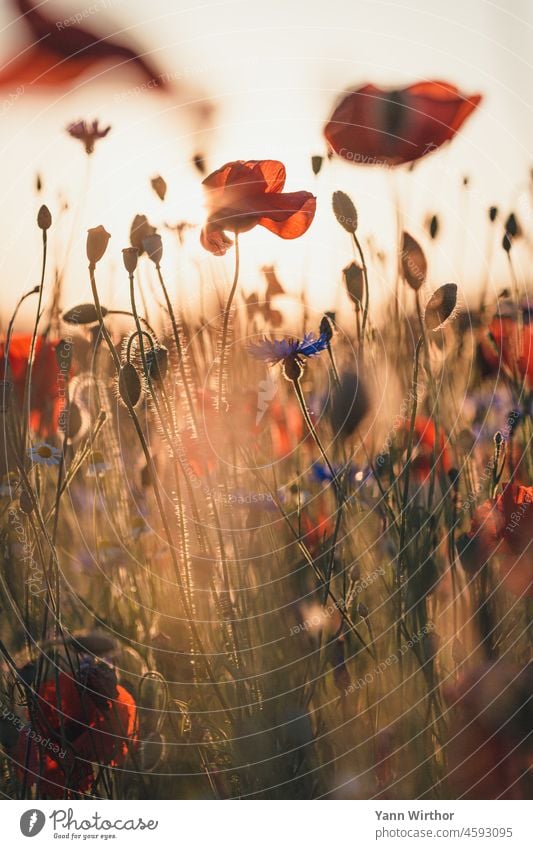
<point x="272" y="72"/>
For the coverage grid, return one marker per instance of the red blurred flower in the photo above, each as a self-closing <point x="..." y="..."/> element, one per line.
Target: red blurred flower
<point x="511" y="349"/>
<point x="95" y="716"/>
<point x="241" y="195"/>
<point x="392" y="127"/>
<point x="488" y="752"/>
<point x="61" y="52"/>
<point x="46" y="380"/>
<point x="504" y="527"/>
<point x="423" y="448"/>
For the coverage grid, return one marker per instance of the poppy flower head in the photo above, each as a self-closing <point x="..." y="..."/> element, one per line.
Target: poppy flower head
<point x="241" y="195"/>
<point x="387" y="127"/>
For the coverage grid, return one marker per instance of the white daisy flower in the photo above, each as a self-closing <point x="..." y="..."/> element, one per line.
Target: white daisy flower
<point x="45" y="455"/>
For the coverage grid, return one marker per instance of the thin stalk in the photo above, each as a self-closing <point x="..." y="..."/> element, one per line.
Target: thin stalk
<point x="225" y="325"/>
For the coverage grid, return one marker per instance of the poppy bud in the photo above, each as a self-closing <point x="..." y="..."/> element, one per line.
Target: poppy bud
<point x="140" y="229"/>
<point x="512" y="227"/>
<point x="345" y="211"/>
<point x="440" y="306"/>
<point x="316" y="164"/>
<point x="97" y="241"/>
<point x="44" y="218"/>
<point x="292" y="369"/>
<point x="326" y="327"/>
<point x="129" y="258"/>
<point x="354" y="279"/>
<point x="159" y="186"/>
<point x="362" y="610"/>
<point x="153" y="246"/>
<point x="414" y="265"/>
<point x="433" y="226"/>
<point x="498" y="439"/>
<point x="83" y="314"/>
<point x="199" y="163"/>
<point x="157" y="362"/>
<point x="349" y="404"/>
<point x="38" y="183"/>
<point x="493" y="213"/>
<point x="26" y="504"/>
<point x="129" y="384"/>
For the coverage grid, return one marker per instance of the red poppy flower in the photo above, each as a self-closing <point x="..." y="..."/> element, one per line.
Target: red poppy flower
<point x="488" y="754"/>
<point x="45" y="383"/>
<point x="241" y="195"/>
<point x="423" y="448"/>
<point x="61" y="52"/>
<point x="504" y="527"/>
<point x="391" y="127"/>
<point x="512" y="348"/>
<point x="96" y="717"/>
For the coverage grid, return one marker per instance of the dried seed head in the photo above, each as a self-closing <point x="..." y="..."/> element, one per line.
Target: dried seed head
<point x="292" y="369"/>
<point x="44" y="218"/>
<point x="140" y="230"/>
<point x="153" y="245"/>
<point x="129" y="258"/>
<point x="82" y="314"/>
<point x="97" y="241"/>
<point x="354" y="279"/>
<point x="129" y="384"/>
<point x="316" y="164"/>
<point x="440" y="306"/>
<point x="345" y="211"/>
<point x="414" y="265"/>
<point x="349" y="404"/>
<point x="159" y="186"/>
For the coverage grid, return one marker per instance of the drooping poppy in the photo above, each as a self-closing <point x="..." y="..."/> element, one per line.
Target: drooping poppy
<point x="375" y="126"/>
<point x="61" y="52"/>
<point x="241" y="195"/>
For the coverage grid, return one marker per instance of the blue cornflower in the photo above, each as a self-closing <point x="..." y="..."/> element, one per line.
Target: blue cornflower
<point x="282" y="350"/>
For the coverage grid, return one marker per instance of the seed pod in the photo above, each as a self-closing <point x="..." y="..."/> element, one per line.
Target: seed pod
<point x="440" y="306"/>
<point x="153" y="246"/>
<point x="316" y="164"/>
<point x="82" y="314"/>
<point x="129" y="258"/>
<point x="345" y="211"/>
<point x="349" y="404"/>
<point x="512" y="227"/>
<point x="97" y="241"/>
<point x="159" y="186"/>
<point x="414" y="265"/>
<point x="493" y="213"/>
<point x="139" y="231"/>
<point x="44" y="218"/>
<point x="129" y="384"/>
<point x="157" y="362"/>
<point x="355" y="283"/>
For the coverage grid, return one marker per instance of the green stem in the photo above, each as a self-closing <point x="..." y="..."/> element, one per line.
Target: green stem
<point x="225" y="325"/>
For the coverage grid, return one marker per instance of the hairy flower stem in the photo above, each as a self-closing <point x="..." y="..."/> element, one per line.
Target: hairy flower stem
<point x="153" y="473"/>
<point x="225" y="326"/>
<point x="312" y="430"/>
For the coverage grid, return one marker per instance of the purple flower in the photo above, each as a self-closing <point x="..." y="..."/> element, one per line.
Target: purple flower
<point x="279" y="350"/>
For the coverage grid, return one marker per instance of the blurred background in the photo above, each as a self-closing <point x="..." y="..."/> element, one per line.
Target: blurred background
<point x="256" y="80"/>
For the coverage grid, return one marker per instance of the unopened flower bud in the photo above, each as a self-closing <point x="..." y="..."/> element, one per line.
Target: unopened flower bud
<point x="97" y="241"/>
<point x="292" y="369"/>
<point x="44" y="218"/>
<point x="130" y="257"/>
<point x="153" y="245"/>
